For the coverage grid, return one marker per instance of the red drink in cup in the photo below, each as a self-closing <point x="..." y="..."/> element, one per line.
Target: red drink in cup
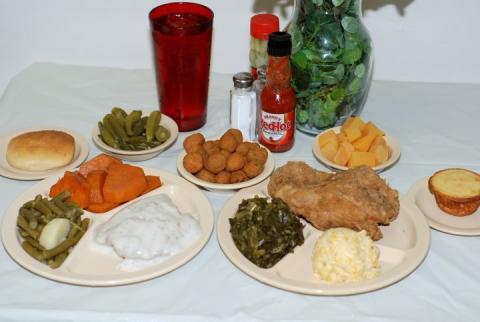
<point x="182" y="37"/>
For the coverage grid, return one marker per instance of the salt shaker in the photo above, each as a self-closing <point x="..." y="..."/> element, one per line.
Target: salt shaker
<point x="243" y="105"/>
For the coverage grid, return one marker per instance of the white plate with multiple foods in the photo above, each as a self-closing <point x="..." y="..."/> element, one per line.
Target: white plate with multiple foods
<point x="39" y="152"/>
<point x="224" y="164"/>
<point x="459" y="214"/>
<point x="356" y="143"/>
<point x="337" y="261"/>
<point x="136" y="135"/>
<point x="121" y="246"/>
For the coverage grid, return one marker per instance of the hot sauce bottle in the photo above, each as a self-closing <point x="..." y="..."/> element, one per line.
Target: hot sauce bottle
<point x="277" y="116"/>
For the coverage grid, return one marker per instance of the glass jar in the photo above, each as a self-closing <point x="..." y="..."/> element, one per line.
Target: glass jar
<point x="261" y="25"/>
<point x="331" y="62"/>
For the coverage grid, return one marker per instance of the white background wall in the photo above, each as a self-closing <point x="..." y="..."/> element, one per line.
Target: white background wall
<point x="414" y="40"/>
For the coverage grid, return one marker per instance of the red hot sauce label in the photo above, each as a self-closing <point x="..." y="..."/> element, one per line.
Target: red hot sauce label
<point x="277" y="129"/>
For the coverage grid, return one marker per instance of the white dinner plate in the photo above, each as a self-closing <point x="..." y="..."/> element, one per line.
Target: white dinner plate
<point x="141" y="155"/>
<point x="86" y="264"/>
<point x="437" y="218"/>
<point x="268" y="169"/>
<point x="390" y="140"/>
<point x="6" y="170"/>
<point x="404" y="245"/>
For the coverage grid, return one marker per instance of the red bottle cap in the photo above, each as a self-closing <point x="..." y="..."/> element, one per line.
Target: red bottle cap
<point x="263" y="24"/>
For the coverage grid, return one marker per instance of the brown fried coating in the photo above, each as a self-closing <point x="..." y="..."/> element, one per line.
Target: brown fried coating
<point x="238" y="176"/>
<point x="243" y="148"/>
<point x="225" y="153"/>
<point x="258" y="154"/>
<point x="206" y="175"/>
<point x="211" y="147"/>
<point x="223" y="177"/>
<point x="235" y="162"/>
<point x="193" y="162"/>
<point x="237" y="134"/>
<point x="216" y="162"/>
<point x="201" y="150"/>
<point x="190" y="142"/>
<point x="253" y="169"/>
<point x="228" y="142"/>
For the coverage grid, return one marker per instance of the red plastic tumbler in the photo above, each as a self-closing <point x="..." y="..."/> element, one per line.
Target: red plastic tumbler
<point x="182" y="37"/>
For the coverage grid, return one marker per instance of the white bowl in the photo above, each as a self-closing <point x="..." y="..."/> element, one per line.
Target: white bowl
<point x="141" y="155"/>
<point x="391" y="142"/>
<point x="219" y="187"/>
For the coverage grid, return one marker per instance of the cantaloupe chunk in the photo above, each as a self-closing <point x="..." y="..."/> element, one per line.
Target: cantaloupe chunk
<point x="344" y="153"/>
<point x="379" y="140"/>
<point x="363" y="143"/>
<point x="361" y="158"/>
<point x="381" y="153"/>
<point x="330" y="149"/>
<point x="352" y="133"/>
<point x="371" y="128"/>
<point x="341" y="138"/>
<point x="326" y="138"/>
<point x="353" y="122"/>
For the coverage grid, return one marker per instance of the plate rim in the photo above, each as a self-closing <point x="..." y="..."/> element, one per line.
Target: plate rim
<point x="419" y="252"/>
<point x="391" y="141"/>
<point x="269" y="167"/>
<point x="168" y="121"/>
<point x="23" y="175"/>
<point x="11" y="245"/>
<point x="412" y="193"/>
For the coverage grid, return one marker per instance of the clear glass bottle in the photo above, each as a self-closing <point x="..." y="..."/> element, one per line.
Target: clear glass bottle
<point x="258" y="86"/>
<point x="331" y="62"/>
<point x="243" y="105"/>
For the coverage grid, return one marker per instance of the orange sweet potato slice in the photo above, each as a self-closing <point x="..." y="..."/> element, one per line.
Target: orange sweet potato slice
<point x="77" y="185"/>
<point x="101" y="207"/>
<point x="100" y="162"/>
<point x="123" y="183"/>
<point x="153" y="182"/>
<point x="96" y="180"/>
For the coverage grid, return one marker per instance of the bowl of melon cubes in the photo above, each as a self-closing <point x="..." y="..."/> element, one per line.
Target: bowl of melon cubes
<point x="356" y="143"/>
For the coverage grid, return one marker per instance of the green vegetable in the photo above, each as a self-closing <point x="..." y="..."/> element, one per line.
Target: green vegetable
<point x="331" y="53"/>
<point x="265" y="230"/>
<point x="133" y="117"/>
<point x="152" y="125"/>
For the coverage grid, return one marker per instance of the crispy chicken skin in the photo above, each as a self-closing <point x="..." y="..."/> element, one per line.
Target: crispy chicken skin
<point x="358" y="198"/>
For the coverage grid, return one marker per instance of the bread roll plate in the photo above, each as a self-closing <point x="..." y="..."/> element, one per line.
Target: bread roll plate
<point x="27" y="164"/>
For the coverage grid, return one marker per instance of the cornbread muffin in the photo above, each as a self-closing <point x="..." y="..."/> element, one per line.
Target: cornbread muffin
<point x="41" y="150"/>
<point x="456" y="191"/>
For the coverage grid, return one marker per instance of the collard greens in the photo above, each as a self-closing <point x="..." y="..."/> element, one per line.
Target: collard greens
<point x="265" y="230"/>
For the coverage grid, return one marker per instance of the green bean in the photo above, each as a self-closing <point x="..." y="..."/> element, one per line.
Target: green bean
<point x="57" y="211"/>
<point x="64" y="195"/>
<point x="23" y="233"/>
<point x="162" y="134"/>
<point x="32" y="251"/>
<point x="130" y="120"/>
<point x="60" y="205"/>
<point x="28" y="204"/>
<point x="107" y="136"/>
<point x="43" y="208"/>
<point x="27" y="213"/>
<point x="70" y="204"/>
<point x="23" y="223"/>
<point x="34" y="243"/>
<point x="152" y="125"/>
<point x="42" y="219"/>
<point x="136" y="139"/>
<point x="59" y="259"/>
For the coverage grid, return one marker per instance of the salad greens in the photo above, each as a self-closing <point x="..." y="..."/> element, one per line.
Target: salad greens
<point x="265" y="230"/>
<point x="330" y="62"/>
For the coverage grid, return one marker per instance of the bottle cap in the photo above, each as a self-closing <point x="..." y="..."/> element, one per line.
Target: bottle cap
<point x="279" y="44"/>
<point x="242" y="80"/>
<point x="263" y="24"/>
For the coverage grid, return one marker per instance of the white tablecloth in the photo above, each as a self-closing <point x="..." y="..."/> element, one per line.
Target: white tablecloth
<point x="437" y="126"/>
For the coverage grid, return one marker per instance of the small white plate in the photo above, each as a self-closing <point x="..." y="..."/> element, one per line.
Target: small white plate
<point x="268" y="169"/>
<point x="6" y="170"/>
<point x="404" y="245"/>
<point x="86" y="264"/>
<point x="391" y="142"/>
<point x="437" y="218"/>
<point x="142" y="155"/>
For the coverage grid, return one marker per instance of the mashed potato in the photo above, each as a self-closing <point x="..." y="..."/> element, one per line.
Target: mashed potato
<point x="342" y="255"/>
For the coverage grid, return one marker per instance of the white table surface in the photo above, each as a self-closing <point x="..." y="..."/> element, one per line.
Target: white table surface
<point x="437" y="126"/>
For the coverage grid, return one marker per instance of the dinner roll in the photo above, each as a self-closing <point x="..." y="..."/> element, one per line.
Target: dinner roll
<point x="41" y="150"/>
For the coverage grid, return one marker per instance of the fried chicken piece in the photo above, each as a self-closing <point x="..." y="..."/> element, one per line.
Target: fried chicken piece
<point x="357" y="199"/>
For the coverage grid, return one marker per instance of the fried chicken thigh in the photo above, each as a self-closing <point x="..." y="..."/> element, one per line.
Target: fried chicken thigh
<point x="357" y="199"/>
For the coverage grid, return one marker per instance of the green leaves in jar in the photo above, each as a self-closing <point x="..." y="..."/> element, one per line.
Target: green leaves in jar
<point x="265" y="230"/>
<point x="132" y="131"/>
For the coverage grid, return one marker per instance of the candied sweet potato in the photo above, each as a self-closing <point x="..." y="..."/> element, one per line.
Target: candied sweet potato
<point x="76" y="184"/>
<point x="100" y="162"/>
<point x="123" y="183"/>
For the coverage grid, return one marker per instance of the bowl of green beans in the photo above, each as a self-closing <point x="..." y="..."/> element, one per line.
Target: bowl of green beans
<point x="136" y="135"/>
